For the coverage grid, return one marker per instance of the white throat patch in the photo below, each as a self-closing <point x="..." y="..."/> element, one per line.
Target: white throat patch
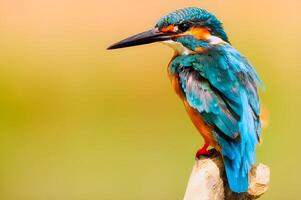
<point x="182" y="50"/>
<point x="178" y="47"/>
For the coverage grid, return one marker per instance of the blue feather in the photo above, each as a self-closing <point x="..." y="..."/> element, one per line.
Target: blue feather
<point x="222" y="86"/>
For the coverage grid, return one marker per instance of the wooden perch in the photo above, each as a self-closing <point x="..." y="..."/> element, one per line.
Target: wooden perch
<point x="208" y="181"/>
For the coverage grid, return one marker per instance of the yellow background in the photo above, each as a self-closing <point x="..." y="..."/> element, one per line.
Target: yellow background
<point x="79" y="122"/>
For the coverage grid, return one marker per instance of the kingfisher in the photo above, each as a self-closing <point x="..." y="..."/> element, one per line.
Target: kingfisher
<point x="217" y="84"/>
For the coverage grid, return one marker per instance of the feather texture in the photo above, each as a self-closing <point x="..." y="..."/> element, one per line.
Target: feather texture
<point x="222" y="86"/>
<point x="194" y="15"/>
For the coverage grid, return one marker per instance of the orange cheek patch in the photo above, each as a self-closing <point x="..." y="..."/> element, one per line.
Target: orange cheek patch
<point x="167" y="29"/>
<point x="200" y="33"/>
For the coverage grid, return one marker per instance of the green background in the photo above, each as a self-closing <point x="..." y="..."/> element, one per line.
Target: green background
<point x="79" y="122"/>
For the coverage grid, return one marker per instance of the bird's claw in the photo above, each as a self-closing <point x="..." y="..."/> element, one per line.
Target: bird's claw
<point x="203" y="152"/>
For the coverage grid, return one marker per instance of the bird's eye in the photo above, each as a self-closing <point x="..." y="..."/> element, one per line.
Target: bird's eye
<point x="183" y="27"/>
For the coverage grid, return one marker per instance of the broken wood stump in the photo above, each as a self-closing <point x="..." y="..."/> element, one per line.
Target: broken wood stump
<point x="208" y="181"/>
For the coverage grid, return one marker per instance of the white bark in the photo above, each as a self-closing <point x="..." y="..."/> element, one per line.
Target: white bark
<point x="208" y="181"/>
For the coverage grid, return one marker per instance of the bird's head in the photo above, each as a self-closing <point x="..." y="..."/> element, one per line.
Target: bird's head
<point x="187" y="30"/>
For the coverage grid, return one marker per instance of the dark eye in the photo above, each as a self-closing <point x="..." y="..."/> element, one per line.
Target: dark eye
<point x="183" y="27"/>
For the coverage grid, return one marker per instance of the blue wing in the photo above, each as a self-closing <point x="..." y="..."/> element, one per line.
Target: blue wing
<point x="204" y="98"/>
<point x="222" y="86"/>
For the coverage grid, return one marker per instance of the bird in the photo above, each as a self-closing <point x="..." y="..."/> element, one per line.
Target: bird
<point x="217" y="84"/>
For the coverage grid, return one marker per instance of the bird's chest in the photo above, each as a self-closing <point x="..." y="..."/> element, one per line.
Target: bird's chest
<point x="204" y="129"/>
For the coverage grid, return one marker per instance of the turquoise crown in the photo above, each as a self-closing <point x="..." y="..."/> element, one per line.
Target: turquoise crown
<point x="195" y="16"/>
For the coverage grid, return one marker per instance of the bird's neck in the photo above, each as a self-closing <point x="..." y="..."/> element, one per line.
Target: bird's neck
<point x="179" y="48"/>
<point x="188" y="52"/>
<point x="189" y="45"/>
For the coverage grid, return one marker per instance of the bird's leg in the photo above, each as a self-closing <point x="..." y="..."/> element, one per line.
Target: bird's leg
<point x="203" y="151"/>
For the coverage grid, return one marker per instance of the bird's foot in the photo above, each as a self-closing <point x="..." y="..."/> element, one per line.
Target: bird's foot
<point x="203" y="151"/>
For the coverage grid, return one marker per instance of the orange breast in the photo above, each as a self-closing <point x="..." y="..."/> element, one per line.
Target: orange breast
<point x="204" y="129"/>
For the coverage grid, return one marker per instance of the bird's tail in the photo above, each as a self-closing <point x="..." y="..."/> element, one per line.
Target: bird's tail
<point x="237" y="182"/>
<point x="237" y="166"/>
<point x="239" y="156"/>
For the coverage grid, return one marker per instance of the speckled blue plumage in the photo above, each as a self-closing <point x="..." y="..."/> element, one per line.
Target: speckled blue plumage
<point x="222" y="85"/>
<point x="194" y="15"/>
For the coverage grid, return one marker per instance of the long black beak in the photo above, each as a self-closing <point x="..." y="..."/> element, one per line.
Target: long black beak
<point x="147" y="37"/>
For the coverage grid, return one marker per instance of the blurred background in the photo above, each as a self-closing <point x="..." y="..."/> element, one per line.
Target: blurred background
<point x="79" y="122"/>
